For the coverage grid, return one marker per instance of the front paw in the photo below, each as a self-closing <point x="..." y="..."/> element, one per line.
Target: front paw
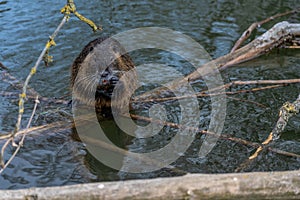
<point x="113" y="80"/>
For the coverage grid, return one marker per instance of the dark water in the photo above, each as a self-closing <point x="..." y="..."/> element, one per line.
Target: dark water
<point x="57" y="159"/>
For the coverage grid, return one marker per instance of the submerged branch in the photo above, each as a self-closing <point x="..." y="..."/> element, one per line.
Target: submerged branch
<point x="277" y="36"/>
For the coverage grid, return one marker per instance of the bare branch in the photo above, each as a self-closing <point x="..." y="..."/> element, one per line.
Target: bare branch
<point x="215" y="91"/>
<point x="21" y="141"/>
<point x="253" y="26"/>
<point x="277" y="36"/>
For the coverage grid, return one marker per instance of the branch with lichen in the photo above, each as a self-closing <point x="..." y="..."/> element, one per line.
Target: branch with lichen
<point x="285" y="113"/>
<point x="33" y="70"/>
<point x="66" y="10"/>
<point x="44" y="56"/>
<point x="70" y="8"/>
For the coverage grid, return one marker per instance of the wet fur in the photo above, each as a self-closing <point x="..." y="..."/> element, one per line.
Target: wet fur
<point x="87" y="74"/>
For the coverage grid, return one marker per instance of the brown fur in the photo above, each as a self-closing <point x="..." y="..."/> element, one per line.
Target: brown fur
<point x="87" y="69"/>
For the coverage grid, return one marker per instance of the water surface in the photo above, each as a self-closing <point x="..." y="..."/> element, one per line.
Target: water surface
<point x="57" y="159"/>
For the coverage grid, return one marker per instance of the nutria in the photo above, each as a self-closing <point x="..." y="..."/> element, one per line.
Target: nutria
<point x="97" y="69"/>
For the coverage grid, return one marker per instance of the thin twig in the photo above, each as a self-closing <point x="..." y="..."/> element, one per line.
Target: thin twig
<point x="48" y="100"/>
<point x="58" y="125"/>
<point x="253" y="89"/>
<point x="285" y="153"/>
<point x="173" y="125"/>
<point x="247" y="101"/>
<point x="212" y="92"/>
<point x="204" y="132"/>
<point x="21" y="141"/>
<point x="3" y="150"/>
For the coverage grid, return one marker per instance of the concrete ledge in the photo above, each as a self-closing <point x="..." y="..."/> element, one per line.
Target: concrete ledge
<point x="258" y="185"/>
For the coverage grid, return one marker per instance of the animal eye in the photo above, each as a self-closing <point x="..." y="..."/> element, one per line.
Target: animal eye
<point x="91" y="49"/>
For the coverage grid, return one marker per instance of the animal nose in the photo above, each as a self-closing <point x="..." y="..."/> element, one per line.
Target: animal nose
<point x="104" y="74"/>
<point x="104" y="79"/>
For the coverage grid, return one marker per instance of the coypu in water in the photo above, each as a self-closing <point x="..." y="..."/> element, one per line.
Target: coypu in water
<point x="100" y="65"/>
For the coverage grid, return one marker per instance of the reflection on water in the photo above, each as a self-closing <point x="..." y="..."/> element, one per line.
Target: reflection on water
<point x="56" y="159"/>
